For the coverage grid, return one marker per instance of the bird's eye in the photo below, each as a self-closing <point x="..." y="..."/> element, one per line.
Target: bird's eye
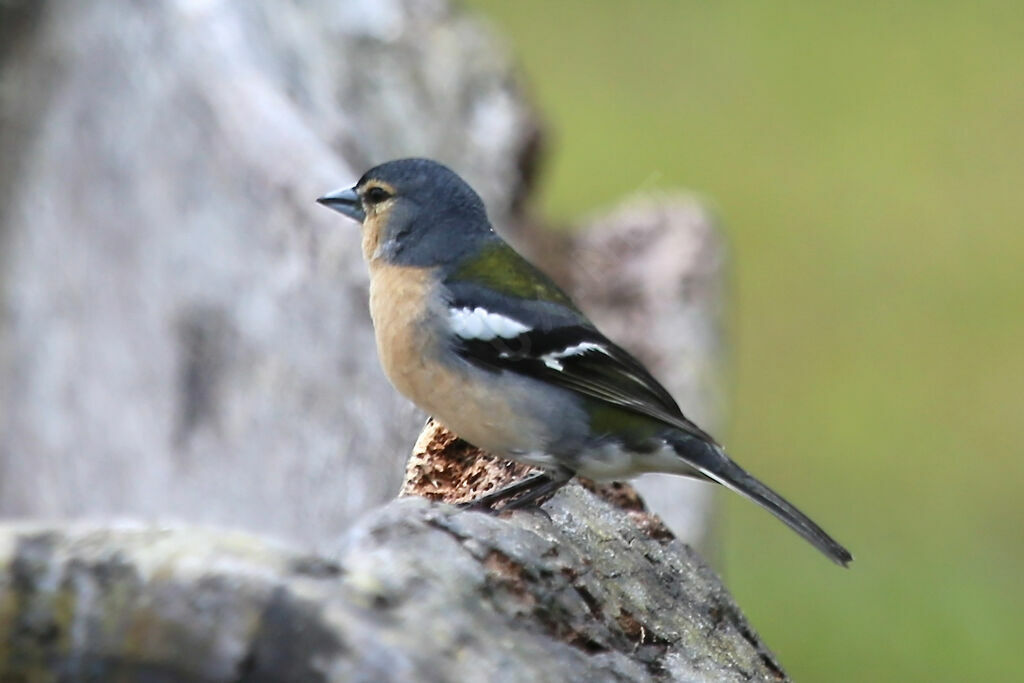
<point x="376" y="194"/>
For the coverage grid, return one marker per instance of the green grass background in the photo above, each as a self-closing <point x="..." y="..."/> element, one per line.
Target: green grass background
<point x="867" y="160"/>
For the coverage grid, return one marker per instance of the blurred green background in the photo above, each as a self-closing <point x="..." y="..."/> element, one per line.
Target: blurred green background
<point x="867" y="160"/>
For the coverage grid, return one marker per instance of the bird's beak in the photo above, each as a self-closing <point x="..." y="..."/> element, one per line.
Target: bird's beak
<point x="346" y="202"/>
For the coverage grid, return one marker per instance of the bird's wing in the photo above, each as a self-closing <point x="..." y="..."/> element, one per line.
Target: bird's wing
<point x="554" y="342"/>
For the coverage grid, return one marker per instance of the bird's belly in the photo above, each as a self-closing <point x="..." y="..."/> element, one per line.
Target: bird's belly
<point x="487" y="421"/>
<point x="468" y="406"/>
<point x="609" y="461"/>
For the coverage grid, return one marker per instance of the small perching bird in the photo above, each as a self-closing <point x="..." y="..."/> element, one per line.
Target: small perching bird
<point x="486" y="343"/>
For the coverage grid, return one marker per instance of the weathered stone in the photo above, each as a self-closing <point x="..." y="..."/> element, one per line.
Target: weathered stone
<point x="416" y="591"/>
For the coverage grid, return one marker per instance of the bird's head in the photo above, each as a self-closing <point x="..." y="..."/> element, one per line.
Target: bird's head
<point x="413" y="211"/>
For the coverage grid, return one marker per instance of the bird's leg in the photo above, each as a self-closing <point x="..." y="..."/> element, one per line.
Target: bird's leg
<point x="523" y="492"/>
<point x="516" y="488"/>
<point x="556" y="480"/>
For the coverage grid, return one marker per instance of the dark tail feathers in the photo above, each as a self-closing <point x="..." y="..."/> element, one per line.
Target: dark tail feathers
<point x="712" y="461"/>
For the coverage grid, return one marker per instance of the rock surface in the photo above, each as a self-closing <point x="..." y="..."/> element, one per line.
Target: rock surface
<point x="416" y="591"/>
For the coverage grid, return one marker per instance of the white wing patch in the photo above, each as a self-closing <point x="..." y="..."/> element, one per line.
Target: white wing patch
<point x="551" y="359"/>
<point x="479" y="323"/>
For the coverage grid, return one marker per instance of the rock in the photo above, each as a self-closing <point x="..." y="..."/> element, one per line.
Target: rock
<point x="416" y="591"/>
<point x="183" y="332"/>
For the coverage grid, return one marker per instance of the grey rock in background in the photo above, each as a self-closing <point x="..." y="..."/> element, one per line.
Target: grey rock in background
<point x="183" y="331"/>
<point x="416" y="592"/>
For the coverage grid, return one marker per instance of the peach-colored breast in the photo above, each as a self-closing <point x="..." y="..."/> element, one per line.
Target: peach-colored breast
<point x="456" y="396"/>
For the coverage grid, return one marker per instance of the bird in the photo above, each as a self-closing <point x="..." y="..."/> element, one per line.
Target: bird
<point x="486" y="343"/>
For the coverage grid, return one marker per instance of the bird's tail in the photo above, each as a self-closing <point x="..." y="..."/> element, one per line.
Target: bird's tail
<point x="713" y="463"/>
